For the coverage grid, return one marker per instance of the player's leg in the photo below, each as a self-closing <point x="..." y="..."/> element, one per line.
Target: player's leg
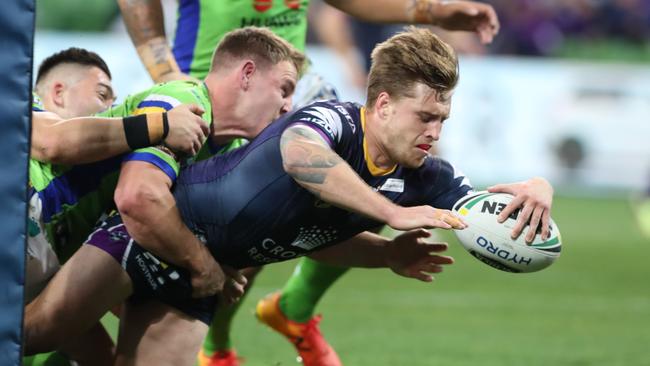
<point x="291" y="311"/>
<point x="153" y="333"/>
<point x="89" y="284"/>
<point x="217" y="348"/>
<point x="94" y="348"/>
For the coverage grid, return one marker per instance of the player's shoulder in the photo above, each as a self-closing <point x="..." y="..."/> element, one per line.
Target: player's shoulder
<point x="334" y="117"/>
<point x="165" y="96"/>
<point x="438" y="169"/>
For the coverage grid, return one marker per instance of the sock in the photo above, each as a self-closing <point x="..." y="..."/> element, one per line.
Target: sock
<point x="218" y="337"/>
<point x="308" y="283"/>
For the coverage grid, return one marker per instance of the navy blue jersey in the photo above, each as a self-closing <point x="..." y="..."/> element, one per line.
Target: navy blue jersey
<point x="251" y="212"/>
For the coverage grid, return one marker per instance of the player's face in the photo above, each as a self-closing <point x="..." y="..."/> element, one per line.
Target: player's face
<point x="414" y="124"/>
<point x="90" y="94"/>
<point x="273" y="92"/>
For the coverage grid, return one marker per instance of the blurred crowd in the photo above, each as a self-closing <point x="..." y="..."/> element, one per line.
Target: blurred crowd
<point x="558" y="27"/>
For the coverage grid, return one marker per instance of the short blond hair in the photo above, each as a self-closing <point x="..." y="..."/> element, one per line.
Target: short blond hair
<point x="415" y="55"/>
<point x="260" y="44"/>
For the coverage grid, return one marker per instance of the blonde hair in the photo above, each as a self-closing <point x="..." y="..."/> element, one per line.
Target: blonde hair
<point x="260" y="44"/>
<point x="415" y="55"/>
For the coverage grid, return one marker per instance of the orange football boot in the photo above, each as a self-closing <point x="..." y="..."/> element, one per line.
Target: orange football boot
<point x="219" y="358"/>
<point x="313" y="349"/>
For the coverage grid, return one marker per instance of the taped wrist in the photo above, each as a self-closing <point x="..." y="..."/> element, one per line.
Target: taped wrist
<point x="145" y="129"/>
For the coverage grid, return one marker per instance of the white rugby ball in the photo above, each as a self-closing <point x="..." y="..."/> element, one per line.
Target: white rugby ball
<point x="489" y="241"/>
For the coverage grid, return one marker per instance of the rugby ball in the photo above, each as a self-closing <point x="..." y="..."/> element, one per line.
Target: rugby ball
<point x="489" y="241"/>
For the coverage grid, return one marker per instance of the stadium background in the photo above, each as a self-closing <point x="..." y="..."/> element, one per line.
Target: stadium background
<point x="564" y="92"/>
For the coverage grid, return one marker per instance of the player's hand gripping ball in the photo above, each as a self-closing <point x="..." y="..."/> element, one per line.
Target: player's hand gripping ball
<point x="490" y="242"/>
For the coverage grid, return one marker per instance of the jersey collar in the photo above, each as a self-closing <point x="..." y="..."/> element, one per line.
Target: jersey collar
<point x="372" y="168"/>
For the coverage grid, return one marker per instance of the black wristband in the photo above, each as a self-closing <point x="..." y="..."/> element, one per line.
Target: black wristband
<point x="165" y="126"/>
<point x="136" y="131"/>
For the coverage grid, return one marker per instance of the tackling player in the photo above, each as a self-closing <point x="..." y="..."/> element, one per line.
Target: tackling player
<point x="317" y="169"/>
<point x="196" y="32"/>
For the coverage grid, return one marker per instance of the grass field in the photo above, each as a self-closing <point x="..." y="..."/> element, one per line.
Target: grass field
<point x="590" y="308"/>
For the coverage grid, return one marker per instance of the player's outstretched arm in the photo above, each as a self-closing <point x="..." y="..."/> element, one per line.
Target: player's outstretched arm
<point x="408" y="254"/>
<point x="144" y="22"/>
<point x="534" y="198"/>
<point x="88" y="139"/>
<point x="317" y="168"/>
<point x="458" y="15"/>
<point x="151" y="217"/>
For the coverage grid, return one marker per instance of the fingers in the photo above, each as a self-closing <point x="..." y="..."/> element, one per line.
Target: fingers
<point x="235" y="275"/>
<point x="522" y="220"/>
<point x="196" y="109"/>
<point x="511" y="207"/>
<point x="436" y="247"/>
<point x="500" y="188"/>
<point x="546" y="223"/>
<point x="493" y="19"/>
<point x="534" y="223"/>
<point x="450" y="219"/>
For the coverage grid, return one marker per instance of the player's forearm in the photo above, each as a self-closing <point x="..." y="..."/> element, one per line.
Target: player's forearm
<point x="150" y="214"/>
<point x="321" y="171"/>
<point x="387" y="11"/>
<point x="144" y="22"/>
<point x="59" y="141"/>
<point x="71" y="141"/>
<point x="367" y="250"/>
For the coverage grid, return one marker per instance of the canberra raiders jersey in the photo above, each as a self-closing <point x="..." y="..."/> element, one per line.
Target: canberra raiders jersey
<point x="251" y="212"/>
<point x="74" y="197"/>
<point x="202" y="23"/>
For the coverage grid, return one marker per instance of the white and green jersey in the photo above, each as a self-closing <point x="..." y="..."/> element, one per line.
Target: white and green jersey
<point x="74" y="197"/>
<point x="202" y="23"/>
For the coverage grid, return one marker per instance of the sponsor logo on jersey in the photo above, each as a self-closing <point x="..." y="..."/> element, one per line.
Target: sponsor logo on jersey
<point x="312" y="237"/>
<point x="347" y="117"/>
<point x="328" y="119"/>
<point x="393" y="185"/>
<point x="277" y="21"/>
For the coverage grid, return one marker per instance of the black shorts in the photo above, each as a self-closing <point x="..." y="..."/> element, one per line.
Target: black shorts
<point x="152" y="278"/>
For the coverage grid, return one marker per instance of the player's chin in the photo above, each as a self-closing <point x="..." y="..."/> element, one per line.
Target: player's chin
<point x="415" y="161"/>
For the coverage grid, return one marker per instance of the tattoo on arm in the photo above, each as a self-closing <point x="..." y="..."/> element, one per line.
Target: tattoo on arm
<point x="307" y="158"/>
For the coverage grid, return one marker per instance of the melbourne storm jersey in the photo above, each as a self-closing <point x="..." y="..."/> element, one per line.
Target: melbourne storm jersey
<point x="251" y="212"/>
<point x="202" y="23"/>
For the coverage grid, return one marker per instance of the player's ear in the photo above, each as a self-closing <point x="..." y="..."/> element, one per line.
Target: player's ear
<point x="383" y="105"/>
<point x="57" y="90"/>
<point x="248" y="69"/>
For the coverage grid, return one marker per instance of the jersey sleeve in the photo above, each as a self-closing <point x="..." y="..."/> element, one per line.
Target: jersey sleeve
<point x="448" y="186"/>
<point x="161" y="101"/>
<point x="330" y="119"/>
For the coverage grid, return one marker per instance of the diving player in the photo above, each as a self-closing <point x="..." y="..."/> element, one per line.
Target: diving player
<point x="317" y="169"/>
<point x="196" y="31"/>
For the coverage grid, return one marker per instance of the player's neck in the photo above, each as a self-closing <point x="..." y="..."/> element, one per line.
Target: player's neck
<point x="376" y="153"/>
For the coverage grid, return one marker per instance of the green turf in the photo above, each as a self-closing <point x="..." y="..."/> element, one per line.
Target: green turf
<point x="590" y="308"/>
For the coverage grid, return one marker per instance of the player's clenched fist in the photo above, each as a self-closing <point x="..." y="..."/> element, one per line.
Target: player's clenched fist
<point x="408" y="218"/>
